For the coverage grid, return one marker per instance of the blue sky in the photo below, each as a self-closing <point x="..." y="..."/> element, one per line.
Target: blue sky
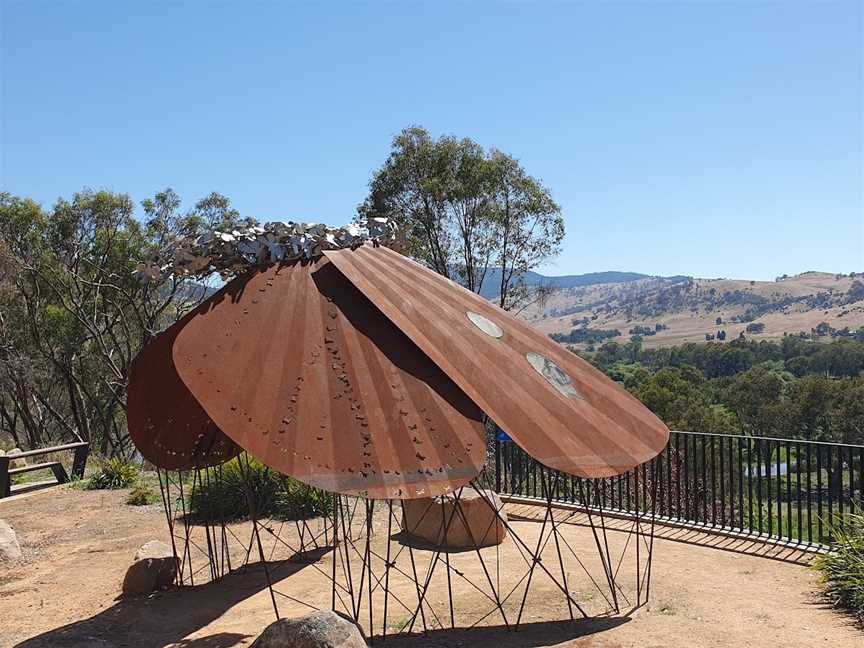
<point x="706" y="138"/>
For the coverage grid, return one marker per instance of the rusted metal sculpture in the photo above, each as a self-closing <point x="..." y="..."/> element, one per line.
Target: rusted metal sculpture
<point x="557" y="407"/>
<point x="298" y="368"/>
<point x="359" y="372"/>
<point x="166" y="423"/>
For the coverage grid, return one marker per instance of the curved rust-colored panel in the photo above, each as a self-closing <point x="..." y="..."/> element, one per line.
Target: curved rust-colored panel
<point x="166" y="423"/>
<point x="304" y="373"/>
<point x="557" y="407"/>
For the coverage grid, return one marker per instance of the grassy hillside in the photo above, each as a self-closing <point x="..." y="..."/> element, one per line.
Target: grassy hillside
<point x="670" y="311"/>
<point x="492" y="281"/>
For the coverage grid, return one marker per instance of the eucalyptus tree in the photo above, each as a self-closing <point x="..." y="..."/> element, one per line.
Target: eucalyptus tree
<point x="471" y="214"/>
<point x="73" y="314"/>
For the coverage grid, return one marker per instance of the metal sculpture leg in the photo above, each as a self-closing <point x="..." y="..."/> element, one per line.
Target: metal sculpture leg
<point x="369" y="574"/>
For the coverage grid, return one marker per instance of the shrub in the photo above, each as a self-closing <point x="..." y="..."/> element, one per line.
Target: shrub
<point x="756" y="327"/>
<point x="843" y="569"/>
<point x="112" y="474"/>
<point x="220" y="494"/>
<point x="142" y="494"/>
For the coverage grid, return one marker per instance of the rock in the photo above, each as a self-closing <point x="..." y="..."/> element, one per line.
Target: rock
<point x="16" y="463"/>
<point x="9" y="547"/>
<point x="324" y="629"/>
<point x="426" y="519"/>
<point x="154" y="568"/>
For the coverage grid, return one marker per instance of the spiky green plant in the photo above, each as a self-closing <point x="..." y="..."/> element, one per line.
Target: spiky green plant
<point x="113" y="474"/>
<point x="843" y="569"/>
<point x="142" y="494"/>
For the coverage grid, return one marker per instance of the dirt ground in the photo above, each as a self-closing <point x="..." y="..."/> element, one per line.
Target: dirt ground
<point x="705" y="591"/>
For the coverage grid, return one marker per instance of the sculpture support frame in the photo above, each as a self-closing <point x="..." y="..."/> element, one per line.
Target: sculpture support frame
<point x="370" y="576"/>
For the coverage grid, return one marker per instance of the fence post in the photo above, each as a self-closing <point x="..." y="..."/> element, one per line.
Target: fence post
<point x="79" y="461"/>
<point x="497" y="465"/>
<point x="5" y="486"/>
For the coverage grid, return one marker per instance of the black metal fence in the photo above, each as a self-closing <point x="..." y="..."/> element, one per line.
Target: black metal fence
<point x="781" y="489"/>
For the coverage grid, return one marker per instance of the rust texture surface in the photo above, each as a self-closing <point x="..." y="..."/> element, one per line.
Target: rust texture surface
<point x="304" y="373"/>
<point x="557" y="407"/>
<point x="166" y="423"/>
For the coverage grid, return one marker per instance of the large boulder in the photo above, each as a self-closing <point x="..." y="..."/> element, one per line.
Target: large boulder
<point x="474" y="524"/>
<point x="16" y="463"/>
<point x="322" y="629"/>
<point x="9" y="547"/>
<point x="154" y="568"/>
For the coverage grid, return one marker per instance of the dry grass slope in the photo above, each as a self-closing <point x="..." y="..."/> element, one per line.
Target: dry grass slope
<point x="689" y="308"/>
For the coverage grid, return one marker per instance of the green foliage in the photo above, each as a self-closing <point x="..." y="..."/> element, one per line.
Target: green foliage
<point x="679" y="397"/>
<point x="757" y="388"/>
<point x="841" y="358"/>
<point x="855" y="292"/>
<point x="141" y="494"/>
<point x="827" y="410"/>
<point x="74" y="314"/>
<point x="755" y="327"/>
<point x="580" y="335"/>
<point x="221" y="493"/>
<point x="644" y="330"/>
<point x="756" y="397"/>
<point x="843" y="569"/>
<point x="112" y="474"/>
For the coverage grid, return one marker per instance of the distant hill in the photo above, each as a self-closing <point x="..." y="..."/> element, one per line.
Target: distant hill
<point x="666" y="311"/>
<point x="492" y="282"/>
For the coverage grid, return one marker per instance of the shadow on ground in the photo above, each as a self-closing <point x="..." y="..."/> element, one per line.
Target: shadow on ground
<point x="169" y="617"/>
<point x="546" y="633"/>
<point x="164" y="618"/>
<point x="741" y="544"/>
<point x="407" y="540"/>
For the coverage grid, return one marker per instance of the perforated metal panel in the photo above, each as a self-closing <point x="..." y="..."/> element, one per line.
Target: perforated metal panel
<point x="302" y="371"/>
<point x="166" y="423"/>
<point x="557" y="407"/>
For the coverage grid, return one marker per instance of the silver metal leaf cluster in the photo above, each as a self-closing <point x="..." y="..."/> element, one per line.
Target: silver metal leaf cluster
<point x="230" y="253"/>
